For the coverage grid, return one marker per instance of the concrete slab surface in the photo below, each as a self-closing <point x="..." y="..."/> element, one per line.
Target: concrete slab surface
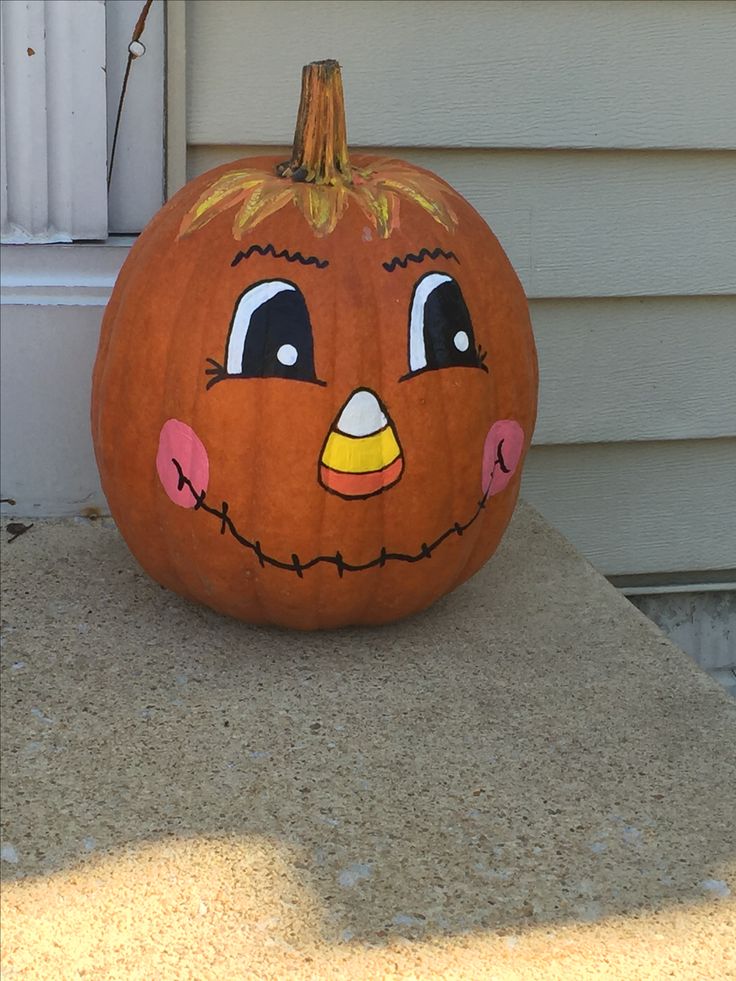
<point x="527" y="781"/>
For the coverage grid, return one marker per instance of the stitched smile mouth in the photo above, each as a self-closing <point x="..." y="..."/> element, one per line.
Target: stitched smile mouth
<point x="295" y="564"/>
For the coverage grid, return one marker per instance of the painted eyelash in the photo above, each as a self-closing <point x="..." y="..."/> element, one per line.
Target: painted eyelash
<point x="482" y="355"/>
<point x="218" y="371"/>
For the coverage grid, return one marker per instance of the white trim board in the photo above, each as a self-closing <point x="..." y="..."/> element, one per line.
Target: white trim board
<point x="176" y="96"/>
<point x="61" y="275"/>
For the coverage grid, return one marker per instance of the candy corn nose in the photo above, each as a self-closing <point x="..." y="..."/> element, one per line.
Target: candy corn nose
<point x="361" y="455"/>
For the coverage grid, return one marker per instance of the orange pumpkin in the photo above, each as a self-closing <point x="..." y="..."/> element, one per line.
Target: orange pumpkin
<point x="315" y="385"/>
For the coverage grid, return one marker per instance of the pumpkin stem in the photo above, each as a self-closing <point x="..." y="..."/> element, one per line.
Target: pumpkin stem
<point x="320" y="151"/>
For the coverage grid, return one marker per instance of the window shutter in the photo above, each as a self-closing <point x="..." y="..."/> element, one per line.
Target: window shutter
<point x="53" y="182"/>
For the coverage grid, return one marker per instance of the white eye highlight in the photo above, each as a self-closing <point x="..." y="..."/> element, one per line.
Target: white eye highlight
<point x="249" y="303"/>
<point x="461" y="341"/>
<point x="422" y="291"/>
<point x="287" y="354"/>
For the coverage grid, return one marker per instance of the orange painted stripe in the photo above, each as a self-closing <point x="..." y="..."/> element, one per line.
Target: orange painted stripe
<point x="361" y="484"/>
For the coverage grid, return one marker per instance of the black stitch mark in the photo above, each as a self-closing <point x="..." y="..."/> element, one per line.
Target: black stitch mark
<point x="412" y="257"/>
<point x="337" y="560"/>
<point x="310" y="260"/>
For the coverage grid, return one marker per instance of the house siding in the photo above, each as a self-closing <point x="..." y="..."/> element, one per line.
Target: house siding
<point x="597" y="141"/>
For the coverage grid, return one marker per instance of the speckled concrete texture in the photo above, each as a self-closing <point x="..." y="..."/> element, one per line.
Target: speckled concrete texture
<point x="527" y="781"/>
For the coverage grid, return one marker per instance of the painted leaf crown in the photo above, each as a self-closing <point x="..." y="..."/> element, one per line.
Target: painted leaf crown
<point x="377" y="191"/>
<point x="320" y="179"/>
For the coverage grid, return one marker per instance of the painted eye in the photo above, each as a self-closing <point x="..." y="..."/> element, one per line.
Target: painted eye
<point x="440" y="331"/>
<point x="271" y="334"/>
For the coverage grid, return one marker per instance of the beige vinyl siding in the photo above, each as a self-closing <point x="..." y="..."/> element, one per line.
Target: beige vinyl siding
<point x="632" y="369"/>
<point x="643" y="507"/>
<point x="471" y="74"/>
<point x="597" y="141"/>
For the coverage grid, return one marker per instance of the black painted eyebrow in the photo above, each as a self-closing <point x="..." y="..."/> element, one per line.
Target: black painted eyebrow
<point x="417" y="257"/>
<point x="310" y="260"/>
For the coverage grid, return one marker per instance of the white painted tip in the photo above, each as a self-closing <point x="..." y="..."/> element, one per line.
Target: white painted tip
<point x="362" y="415"/>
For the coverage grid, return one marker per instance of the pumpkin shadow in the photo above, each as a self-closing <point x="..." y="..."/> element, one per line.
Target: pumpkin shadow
<point x="492" y="764"/>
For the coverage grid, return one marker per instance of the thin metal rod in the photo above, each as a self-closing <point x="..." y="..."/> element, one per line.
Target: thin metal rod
<point x="137" y="31"/>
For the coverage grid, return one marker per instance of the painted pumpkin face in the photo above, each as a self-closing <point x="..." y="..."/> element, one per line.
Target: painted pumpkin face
<point x="314" y="420"/>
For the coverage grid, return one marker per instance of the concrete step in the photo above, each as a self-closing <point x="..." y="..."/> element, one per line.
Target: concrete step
<point x="527" y="781"/>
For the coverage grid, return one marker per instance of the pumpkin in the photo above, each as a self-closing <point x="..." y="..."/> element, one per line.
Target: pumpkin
<point x="315" y="386"/>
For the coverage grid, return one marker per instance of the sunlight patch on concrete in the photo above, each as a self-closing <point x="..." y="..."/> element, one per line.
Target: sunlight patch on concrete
<point x="231" y="908"/>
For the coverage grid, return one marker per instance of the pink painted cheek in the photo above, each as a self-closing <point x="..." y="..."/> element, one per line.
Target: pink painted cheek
<point x="501" y="454"/>
<point x="179" y="442"/>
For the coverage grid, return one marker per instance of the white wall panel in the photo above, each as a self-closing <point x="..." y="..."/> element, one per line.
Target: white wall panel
<point x="503" y="74"/>
<point x="46" y="359"/>
<point x="703" y="624"/>
<point x="591" y="224"/>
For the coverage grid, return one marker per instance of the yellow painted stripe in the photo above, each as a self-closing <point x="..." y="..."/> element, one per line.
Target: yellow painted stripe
<point x="362" y="455"/>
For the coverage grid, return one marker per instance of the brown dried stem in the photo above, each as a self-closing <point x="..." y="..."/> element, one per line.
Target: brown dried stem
<point x="320" y="151"/>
